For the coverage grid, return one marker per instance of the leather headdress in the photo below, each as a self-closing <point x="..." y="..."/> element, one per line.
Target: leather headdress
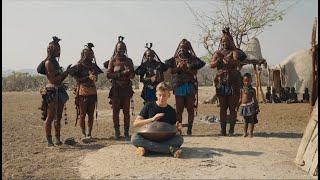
<point x="120" y="41"/>
<point x="187" y="45"/>
<point x="85" y="51"/>
<point x="228" y="36"/>
<point x="53" y="46"/>
<point x="144" y="58"/>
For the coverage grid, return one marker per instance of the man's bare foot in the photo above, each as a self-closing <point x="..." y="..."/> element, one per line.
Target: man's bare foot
<point x="141" y="151"/>
<point x="245" y="135"/>
<point x="175" y="151"/>
<point x="178" y="153"/>
<point x="250" y="135"/>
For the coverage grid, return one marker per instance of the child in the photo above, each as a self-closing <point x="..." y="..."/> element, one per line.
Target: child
<point x="306" y="96"/>
<point x="248" y="103"/>
<point x="274" y="96"/>
<point x="283" y="95"/>
<point x="293" y="97"/>
<point x="287" y="92"/>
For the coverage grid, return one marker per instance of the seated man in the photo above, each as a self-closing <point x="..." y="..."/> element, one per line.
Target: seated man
<point x="158" y="111"/>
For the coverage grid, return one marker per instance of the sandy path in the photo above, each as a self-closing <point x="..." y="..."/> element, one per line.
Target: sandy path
<point x="203" y="158"/>
<point x="26" y="156"/>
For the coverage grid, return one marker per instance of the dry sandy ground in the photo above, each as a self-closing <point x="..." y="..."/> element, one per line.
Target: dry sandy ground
<point x="268" y="155"/>
<point x="203" y="158"/>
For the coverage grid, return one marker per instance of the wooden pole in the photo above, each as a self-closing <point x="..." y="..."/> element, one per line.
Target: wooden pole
<point x="260" y="87"/>
<point x="257" y="81"/>
<point x="314" y="66"/>
<point x="269" y="77"/>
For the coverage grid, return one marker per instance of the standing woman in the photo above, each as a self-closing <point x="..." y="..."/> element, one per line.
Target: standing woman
<point x="86" y="74"/>
<point x="54" y="96"/>
<point x="120" y="70"/>
<point x="228" y="79"/>
<point x="151" y="72"/>
<point x="184" y="66"/>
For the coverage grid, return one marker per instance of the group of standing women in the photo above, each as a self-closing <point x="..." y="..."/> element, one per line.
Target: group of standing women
<point x="120" y="70"/>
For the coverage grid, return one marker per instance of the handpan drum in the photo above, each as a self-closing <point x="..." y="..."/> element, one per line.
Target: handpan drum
<point x="157" y="131"/>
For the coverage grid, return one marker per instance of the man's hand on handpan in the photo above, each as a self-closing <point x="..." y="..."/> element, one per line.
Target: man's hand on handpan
<point x="158" y="116"/>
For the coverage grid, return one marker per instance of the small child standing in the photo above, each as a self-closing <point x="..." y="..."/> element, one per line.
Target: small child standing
<point x="306" y="96"/>
<point x="248" y="103"/>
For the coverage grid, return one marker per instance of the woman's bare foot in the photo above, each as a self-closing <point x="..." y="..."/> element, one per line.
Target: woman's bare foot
<point x="58" y="143"/>
<point x="251" y="135"/>
<point x="141" y="151"/>
<point x="245" y="135"/>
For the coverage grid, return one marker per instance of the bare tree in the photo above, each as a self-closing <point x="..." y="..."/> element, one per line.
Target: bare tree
<point x="246" y="19"/>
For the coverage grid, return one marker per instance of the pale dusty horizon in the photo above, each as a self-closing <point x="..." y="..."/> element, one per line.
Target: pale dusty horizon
<point x="28" y="27"/>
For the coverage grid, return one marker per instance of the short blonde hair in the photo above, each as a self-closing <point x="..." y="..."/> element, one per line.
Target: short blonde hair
<point x="163" y="86"/>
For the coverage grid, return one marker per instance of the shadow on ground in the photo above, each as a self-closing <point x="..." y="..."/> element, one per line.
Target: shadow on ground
<point x="82" y="147"/>
<point x="213" y="135"/>
<point x="189" y="153"/>
<point x="256" y="134"/>
<point x="278" y="134"/>
<point x="204" y="152"/>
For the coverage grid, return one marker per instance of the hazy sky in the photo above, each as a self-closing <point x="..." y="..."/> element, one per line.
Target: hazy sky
<point x="27" y="28"/>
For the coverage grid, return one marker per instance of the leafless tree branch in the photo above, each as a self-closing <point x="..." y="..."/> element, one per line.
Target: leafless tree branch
<point x="246" y="19"/>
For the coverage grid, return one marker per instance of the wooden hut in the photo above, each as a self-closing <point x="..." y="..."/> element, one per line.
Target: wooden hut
<point x="307" y="155"/>
<point x="254" y="57"/>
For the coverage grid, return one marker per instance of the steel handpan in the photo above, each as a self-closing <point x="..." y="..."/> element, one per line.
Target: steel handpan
<point x="157" y="131"/>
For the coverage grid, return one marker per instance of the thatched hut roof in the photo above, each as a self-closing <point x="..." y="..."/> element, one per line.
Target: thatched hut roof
<point x="296" y="69"/>
<point x="253" y="52"/>
<point x="253" y="49"/>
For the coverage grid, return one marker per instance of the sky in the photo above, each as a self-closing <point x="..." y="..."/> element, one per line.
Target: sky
<point x="28" y="27"/>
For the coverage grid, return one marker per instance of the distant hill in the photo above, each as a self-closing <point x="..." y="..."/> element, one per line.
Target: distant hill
<point x="6" y="71"/>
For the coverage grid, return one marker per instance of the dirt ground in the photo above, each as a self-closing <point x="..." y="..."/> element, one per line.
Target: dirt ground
<point x="206" y="155"/>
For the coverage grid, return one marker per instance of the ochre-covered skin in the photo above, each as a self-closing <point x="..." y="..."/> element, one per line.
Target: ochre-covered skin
<point x="184" y="66"/>
<point x="226" y="61"/>
<point x="120" y="71"/>
<point x="86" y="74"/>
<point x="54" y="106"/>
<point x="151" y="72"/>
